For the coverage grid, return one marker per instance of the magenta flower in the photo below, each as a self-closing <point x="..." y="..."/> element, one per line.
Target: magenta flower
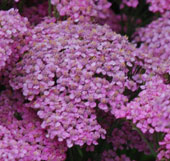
<point x="70" y="68"/>
<point x="21" y="137"/>
<point x="155" y="42"/>
<point x="82" y="10"/>
<point x="129" y="3"/>
<point x="13" y="28"/>
<point x="151" y="110"/>
<point x="159" y="5"/>
<point x="111" y="155"/>
<point x="36" y="13"/>
<point x="164" y="150"/>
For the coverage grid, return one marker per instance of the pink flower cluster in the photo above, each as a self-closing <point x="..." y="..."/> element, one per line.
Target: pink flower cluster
<point x="127" y="138"/>
<point x="86" y="61"/>
<point x="121" y="136"/>
<point x="159" y="5"/>
<point x="74" y="61"/>
<point x="151" y="110"/>
<point x="21" y="137"/>
<point x="67" y="74"/>
<point x="75" y="82"/>
<point x="82" y="10"/>
<point x="164" y="152"/>
<point x="154" y="5"/>
<point x="68" y="120"/>
<point x="11" y="36"/>
<point x="36" y="14"/>
<point x="155" y="42"/>
<point x="111" y="155"/>
<point x="129" y="3"/>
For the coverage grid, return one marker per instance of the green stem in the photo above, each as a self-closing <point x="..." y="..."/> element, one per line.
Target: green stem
<point x="21" y="5"/>
<point x="56" y="13"/>
<point x="122" y="24"/>
<point x="71" y="155"/>
<point x="146" y="141"/>
<point x="49" y="8"/>
<point x="79" y="151"/>
<point x="156" y="139"/>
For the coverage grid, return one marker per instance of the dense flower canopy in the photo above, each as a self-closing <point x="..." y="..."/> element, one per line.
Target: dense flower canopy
<point x="159" y="5"/>
<point x="74" y="62"/>
<point x="127" y="138"/>
<point x="36" y="14"/>
<point x="21" y="137"/>
<point x="155" y="42"/>
<point x="11" y="36"/>
<point x="151" y="110"/>
<point x="164" y="152"/>
<point x="154" y="5"/>
<point x="130" y="3"/>
<point x="110" y="155"/>
<point x="82" y="10"/>
<point x="60" y="74"/>
<point x="84" y="80"/>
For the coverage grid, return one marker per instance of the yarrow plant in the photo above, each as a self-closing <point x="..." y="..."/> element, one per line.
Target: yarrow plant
<point x="154" y="5"/>
<point x="84" y="80"/>
<point x="21" y="137"/>
<point x="82" y="10"/>
<point x="155" y="42"/>
<point x="121" y="136"/>
<point x="154" y="105"/>
<point x="70" y="71"/>
<point x="129" y="3"/>
<point x="110" y="155"/>
<point x="11" y="36"/>
<point x="36" y="14"/>
<point x="159" y="5"/>
<point x="164" y="152"/>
